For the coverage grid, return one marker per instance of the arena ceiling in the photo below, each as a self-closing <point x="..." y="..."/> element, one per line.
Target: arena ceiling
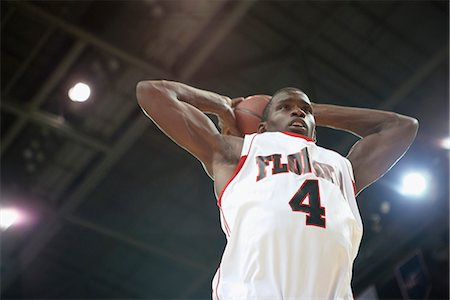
<point x="116" y="210"/>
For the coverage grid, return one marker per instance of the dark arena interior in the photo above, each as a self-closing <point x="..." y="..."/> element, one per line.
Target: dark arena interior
<point x="97" y="203"/>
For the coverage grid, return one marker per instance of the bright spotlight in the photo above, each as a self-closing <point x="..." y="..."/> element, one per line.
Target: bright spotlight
<point x="413" y="184"/>
<point x="80" y="92"/>
<point x="445" y="143"/>
<point x="8" y="217"/>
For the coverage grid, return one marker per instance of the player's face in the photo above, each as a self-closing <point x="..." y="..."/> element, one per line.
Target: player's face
<point x="291" y="111"/>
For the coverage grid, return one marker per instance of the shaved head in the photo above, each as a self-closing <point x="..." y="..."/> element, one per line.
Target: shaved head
<point x="286" y="90"/>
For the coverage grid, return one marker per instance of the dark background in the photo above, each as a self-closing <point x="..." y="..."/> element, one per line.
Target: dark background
<point x="116" y="210"/>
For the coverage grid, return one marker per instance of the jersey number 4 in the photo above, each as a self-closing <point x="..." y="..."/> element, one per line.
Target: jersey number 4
<point x="315" y="212"/>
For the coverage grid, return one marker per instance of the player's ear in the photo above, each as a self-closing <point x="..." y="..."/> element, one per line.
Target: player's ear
<point x="262" y="127"/>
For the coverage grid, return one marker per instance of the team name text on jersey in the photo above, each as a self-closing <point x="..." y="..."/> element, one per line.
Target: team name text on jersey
<point x="298" y="163"/>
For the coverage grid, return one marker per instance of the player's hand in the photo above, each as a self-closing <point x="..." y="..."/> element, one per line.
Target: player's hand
<point x="227" y="121"/>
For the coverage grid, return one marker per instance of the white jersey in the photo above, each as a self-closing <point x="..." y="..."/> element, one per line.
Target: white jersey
<point x="291" y="220"/>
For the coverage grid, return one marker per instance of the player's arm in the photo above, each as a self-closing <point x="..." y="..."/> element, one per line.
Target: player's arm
<point x="177" y="109"/>
<point x="385" y="137"/>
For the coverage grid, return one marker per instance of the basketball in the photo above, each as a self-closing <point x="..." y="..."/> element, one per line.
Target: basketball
<point x="249" y="113"/>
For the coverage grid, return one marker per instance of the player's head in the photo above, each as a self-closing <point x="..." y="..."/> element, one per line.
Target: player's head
<point x="289" y="110"/>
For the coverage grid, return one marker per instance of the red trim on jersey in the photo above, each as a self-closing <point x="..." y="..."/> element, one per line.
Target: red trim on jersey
<point x="217" y="284"/>
<point x="236" y="171"/>
<point x="227" y="228"/>
<point x="354" y="188"/>
<point x="298" y="135"/>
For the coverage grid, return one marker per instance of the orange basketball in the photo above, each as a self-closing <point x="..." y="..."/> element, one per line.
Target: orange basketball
<point x="249" y="113"/>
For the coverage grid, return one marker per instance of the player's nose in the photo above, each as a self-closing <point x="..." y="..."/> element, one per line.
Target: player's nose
<point x="298" y="112"/>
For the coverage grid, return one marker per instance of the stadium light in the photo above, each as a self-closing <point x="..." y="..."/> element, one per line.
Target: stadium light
<point x="414" y="184"/>
<point x="445" y="143"/>
<point x="8" y="217"/>
<point x="80" y="92"/>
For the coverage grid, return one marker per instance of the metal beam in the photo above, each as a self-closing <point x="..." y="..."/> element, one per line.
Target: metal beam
<point x="53" y="224"/>
<point x="134" y="243"/>
<point x="43" y="93"/>
<point x="87" y="276"/>
<point x="26" y="63"/>
<point x="362" y="88"/>
<point x="418" y="48"/>
<point x="93" y="40"/>
<point x="288" y="55"/>
<point x="132" y="133"/>
<point x="239" y="10"/>
<point x="367" y="41"/>
<point x="280" y="57"/>
<point x="415" y="79"/>
<point x="192" y="29"/>
<point x="54" y="121"/>
<point x="406" y="87"/>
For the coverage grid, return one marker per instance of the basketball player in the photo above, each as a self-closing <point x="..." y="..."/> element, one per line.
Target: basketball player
<point x="287" y="206"/>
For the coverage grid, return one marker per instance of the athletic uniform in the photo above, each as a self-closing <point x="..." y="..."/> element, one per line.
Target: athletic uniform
<point x="291" y="220"/>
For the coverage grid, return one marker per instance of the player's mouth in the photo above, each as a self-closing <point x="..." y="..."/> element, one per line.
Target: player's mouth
<point x="298" y="126"/>
<point x="298" y="123"/>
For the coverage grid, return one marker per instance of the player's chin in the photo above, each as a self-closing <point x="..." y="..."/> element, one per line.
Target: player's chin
<point x="298" y="130"/>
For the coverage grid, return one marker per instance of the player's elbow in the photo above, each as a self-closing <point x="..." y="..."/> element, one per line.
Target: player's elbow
<point x="413" y="125"/>
<point x="142" y="89"/>
<point x="148" y="91"/>
<point x="410" y="126"/>
<point x="406" y="128"/>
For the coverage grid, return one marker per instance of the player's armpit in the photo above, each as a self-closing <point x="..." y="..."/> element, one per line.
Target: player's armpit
<point x="376" y="153"/>
<point x="167" y="106"/>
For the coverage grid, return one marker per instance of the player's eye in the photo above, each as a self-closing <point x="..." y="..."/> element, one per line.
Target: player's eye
<point x="307" y="109"/>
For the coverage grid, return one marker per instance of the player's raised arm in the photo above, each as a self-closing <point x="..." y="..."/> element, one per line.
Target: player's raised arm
<point x="177" y="109"/>
<point x="385" y="138"/>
